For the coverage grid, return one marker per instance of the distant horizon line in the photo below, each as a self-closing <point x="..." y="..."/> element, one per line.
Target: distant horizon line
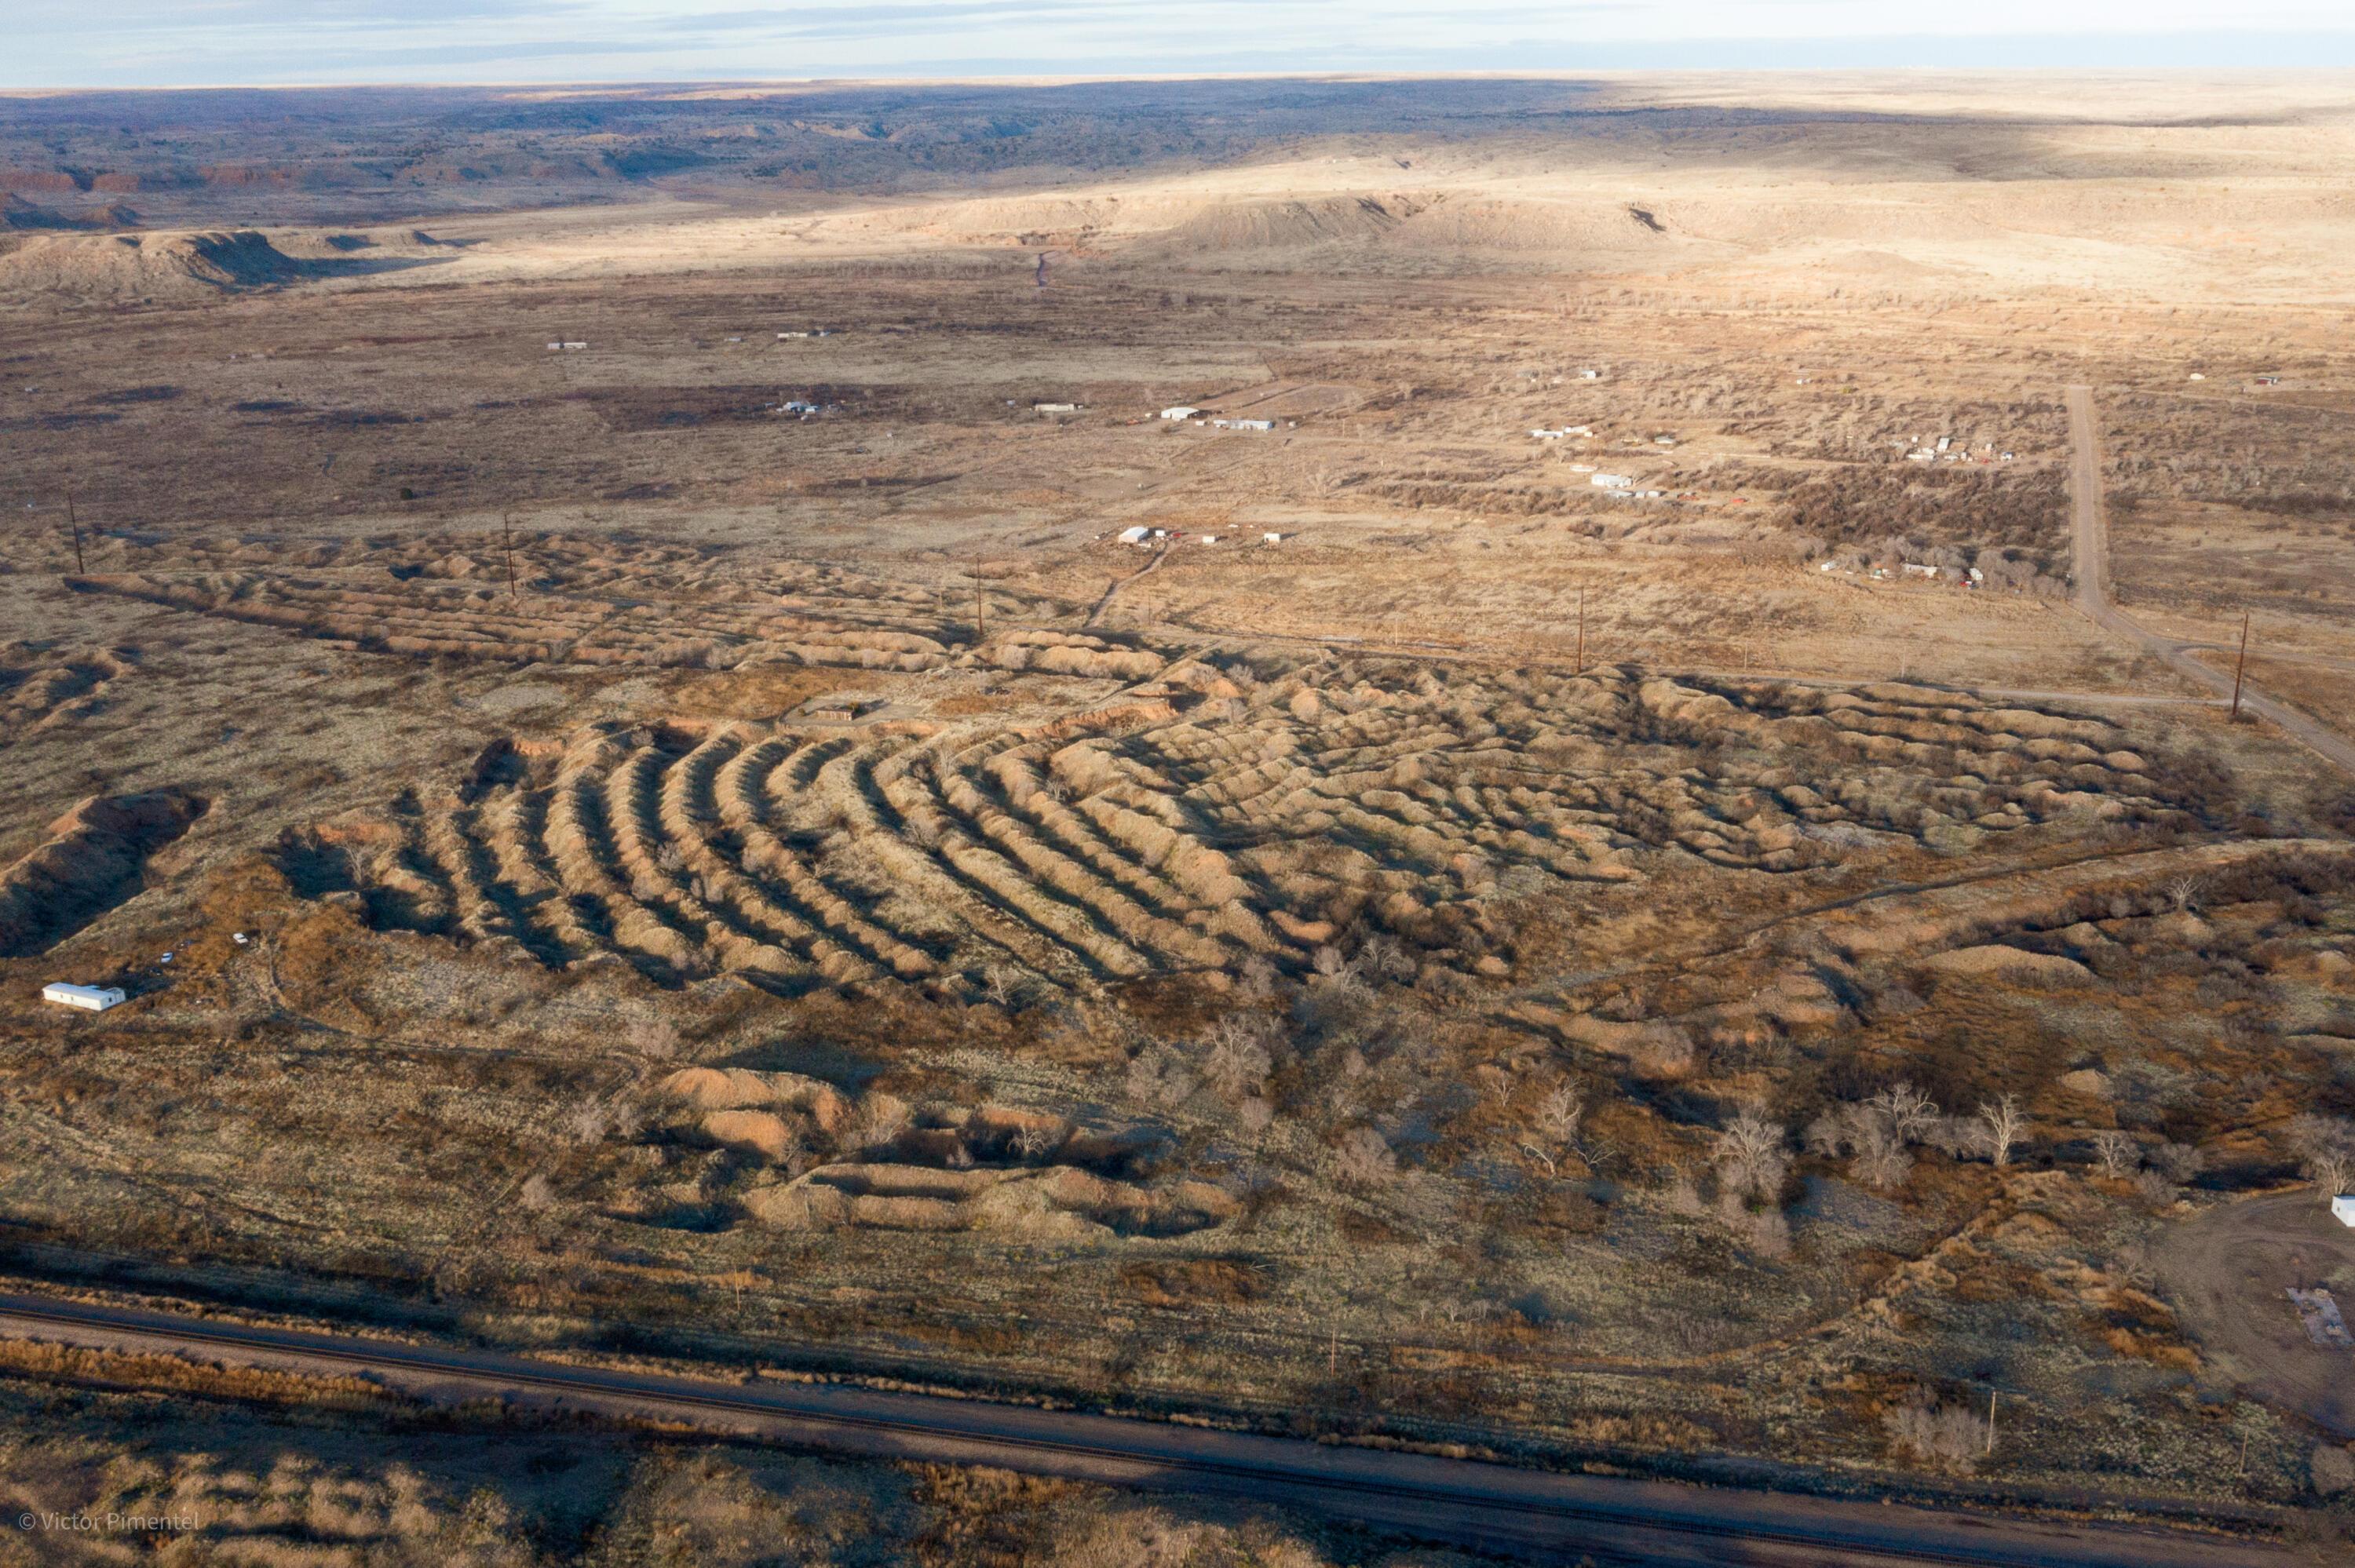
<point x="2186" y="52"/>
<point x="1079" y="78"/>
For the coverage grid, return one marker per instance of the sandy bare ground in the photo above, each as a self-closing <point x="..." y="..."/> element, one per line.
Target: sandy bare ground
<point x="2226" y="1273"/>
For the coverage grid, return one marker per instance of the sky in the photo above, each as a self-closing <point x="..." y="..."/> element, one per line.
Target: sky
<point x="184" y="43"/>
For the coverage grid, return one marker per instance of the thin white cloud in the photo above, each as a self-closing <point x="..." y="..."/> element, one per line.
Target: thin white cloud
<point x="58" y="43"/>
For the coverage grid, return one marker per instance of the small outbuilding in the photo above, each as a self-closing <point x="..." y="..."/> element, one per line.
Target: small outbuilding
<point x="1179" y="412"/>
<point x="1137" y="535"/>
<point x="88" y="998"/>
<point x="2342" y="1209"/>
<point x="840" y="709"/>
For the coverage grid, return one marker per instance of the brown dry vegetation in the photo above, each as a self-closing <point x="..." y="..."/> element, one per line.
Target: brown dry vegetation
<point x="218" y="1482"/>
<point x="771" y="886"/>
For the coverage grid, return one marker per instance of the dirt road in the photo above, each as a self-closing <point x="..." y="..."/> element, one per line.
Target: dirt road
<point x="1553" y="1517"/>
<point x="1152" y="565"/>
<point x="2091" y="529"/>
<point x="2226" y="1273"/>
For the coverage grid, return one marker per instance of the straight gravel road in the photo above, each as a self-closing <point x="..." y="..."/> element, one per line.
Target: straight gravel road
<point x="2091" y="529"/>
<point x="1554" y="1517"/>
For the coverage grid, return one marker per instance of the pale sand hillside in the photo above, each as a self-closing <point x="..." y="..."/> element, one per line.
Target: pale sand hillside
<point x="2139" y="188"/>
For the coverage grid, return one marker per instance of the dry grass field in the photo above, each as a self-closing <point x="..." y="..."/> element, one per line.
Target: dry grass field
<point x="705" y="844"/>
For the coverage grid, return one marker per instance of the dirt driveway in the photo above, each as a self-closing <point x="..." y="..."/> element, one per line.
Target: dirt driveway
<point x="2226" y="1273"/>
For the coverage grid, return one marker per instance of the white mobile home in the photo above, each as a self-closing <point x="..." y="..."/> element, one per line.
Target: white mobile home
<point x="88" y="998"/>
<point x="1610" y="482"/>
<point x="1134" y="536"/>
<point x="1179" y="412"/>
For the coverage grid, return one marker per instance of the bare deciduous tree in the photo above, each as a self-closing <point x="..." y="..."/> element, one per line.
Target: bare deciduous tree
<point x="2116" y="1152"/>
<point x="882" y="1120"/>
<point x="2000" y="1123"/>
<point x="1942" y="1436"/>
<point x="1363" y="1158"/>
<point x="1385" y="956"/>
<point x="589" y="1121"/>
<point x="1254" y="1116"/>
<point x="1911" y="1113"/>
<point x="1750" y="1156"/>
<point x="1559" y="1113"/>
<point x="1236" y="1067"/>
<point x="2325" y="1149"/>
<point x="1881" y="1161"/>
<point x="652" y="1037"/>
<point x="2179" y="1163"/>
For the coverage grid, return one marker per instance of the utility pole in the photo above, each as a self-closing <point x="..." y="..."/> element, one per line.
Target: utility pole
<point x="506" y="542"/>
<point x="75" y="518"/>
<point x="1990" y="1447"/>
<point x="1581" y="629"/>
<point x="980" y="609"/>
<point x="2241" y="668"/>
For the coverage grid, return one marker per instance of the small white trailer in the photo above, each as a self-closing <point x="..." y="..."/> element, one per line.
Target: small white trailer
<point x="88" y="998"/>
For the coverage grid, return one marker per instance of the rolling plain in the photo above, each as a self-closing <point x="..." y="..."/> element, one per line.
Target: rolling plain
<point x="1589" y="895"/>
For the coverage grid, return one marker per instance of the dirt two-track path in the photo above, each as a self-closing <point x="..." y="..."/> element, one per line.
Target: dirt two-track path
<point x="2089" y="525"/>
<point x="1549" y="1517"/>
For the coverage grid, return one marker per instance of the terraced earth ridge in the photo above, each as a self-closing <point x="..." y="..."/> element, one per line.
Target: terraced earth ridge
<point x="829" y="1159"/>
<point x="93" y="858"/>
<point x="1238" y="810"/>
<point x="572" y="601"/>
<point x="40" y="684"/>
